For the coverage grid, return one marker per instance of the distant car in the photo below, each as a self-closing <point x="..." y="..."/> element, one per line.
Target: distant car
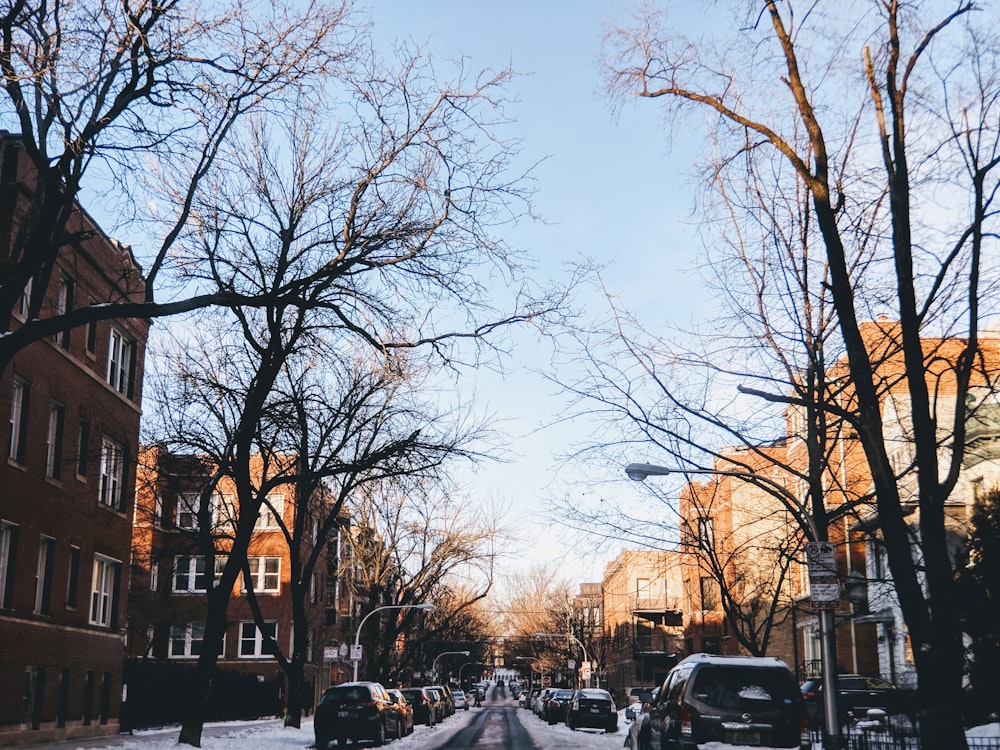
<point x="855" y="695"/>
<point x="422" y="702"/>
<point x="522" y="699"/>
<point x="405" y="709"/>
<point x="737" y="700"/>
<point x="557" y="706"/>
<point x="592" y="708"/>
<point x="461" y="701"/>
<point x="356" y="711"/>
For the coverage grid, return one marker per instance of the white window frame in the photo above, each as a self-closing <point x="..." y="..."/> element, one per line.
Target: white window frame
<point x="265" y="573"/>
<point x="186" y="513"/>
<point x="7" y="533"/>
<point x="54" y="439"/>
<point x="103" y="594"/>
<point x="271" y="512"/>
<point x="18" y="396"/>
<point x="24" y="303"/>
<point x="111" y="489"/>
<point x="192" y="636"/>
<point x="256" y="640"/>
<point x="192" y="569"/>
<point x="119" y="360"/>
<point x="43" y="572"/>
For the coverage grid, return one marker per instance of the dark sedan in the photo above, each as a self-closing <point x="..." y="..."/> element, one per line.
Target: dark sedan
<point x="424" y="709"/>
<point x="592" y="708"/>
<point x="557" y="706"/>
<point x="856" y="694"/>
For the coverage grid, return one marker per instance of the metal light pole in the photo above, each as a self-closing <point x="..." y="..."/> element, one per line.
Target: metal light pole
<point x="446" y="653"/>
<point x="357" y="635"/>
<point x="567" y="635"/>
<point x="827" y="628"/>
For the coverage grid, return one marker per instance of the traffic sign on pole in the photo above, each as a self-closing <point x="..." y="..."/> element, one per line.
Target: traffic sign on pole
<point x="824" y="584"/>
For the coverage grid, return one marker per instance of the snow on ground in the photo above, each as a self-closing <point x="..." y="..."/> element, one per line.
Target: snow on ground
<point x="271" y="735"/>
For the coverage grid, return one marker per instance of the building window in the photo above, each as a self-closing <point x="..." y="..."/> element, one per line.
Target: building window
<point x="120" y="362"/>
<point x="43" y="575"/>
<point x="18" y="435"/>
<point x="92" y="334"/>
<point x="104" y="592"/>
<point x="190" y="573"/>
<point x="73" y="577"/>
<point x="265" y="574"/>
<point x="709" y="593"/>
<point x="187" y="511"/>
<point x="252" y="639"/>
<point x="157" y="509"/>
<point x="154" y="575"/>
<point x="112" y="491"/>
<point x="706" y="534"/>
<point x="272" y="512"/>
<point x="8" y="555"/>
<point x="104" y="589"/>
<point x="64" y="304"/>
<point x="83" y="449"/>
<point x="24" y="303"/>
<point x="54" y="441"/>
<point x="186" y="640"/>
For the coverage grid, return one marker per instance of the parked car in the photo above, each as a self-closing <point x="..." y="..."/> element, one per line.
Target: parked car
<point x="855" y="695"/>
<point x="404" y="708"/>
<point x="422" y="702"/>
<point x="538" y="706"/>
<point x="439" y="702"/>
<point x="557" y="705"/>
<point x="739" y="700"/>
<point x="592" y="708"/>
<point x="461" y="700"/>
<point x="633" y="700"/>
<point x="449" y="699"/>
<point x="522" y="698"/>
<point x="356" y="711"/>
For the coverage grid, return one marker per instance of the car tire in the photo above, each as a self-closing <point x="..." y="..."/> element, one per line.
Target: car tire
<point x="322" y="744"/>
<point x="379" y="739"/>
<point x="569" y="723"/>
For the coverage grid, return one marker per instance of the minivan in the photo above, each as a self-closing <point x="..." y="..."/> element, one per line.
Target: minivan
<point x="739" y="700"/>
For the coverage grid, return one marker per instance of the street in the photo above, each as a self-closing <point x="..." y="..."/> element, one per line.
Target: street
<point x="498" y="723"/>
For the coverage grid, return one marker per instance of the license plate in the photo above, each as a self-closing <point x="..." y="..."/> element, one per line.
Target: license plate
<point x="743" y="738"/>
<point x="345" y="714"/>
<point x="595" y="710"/>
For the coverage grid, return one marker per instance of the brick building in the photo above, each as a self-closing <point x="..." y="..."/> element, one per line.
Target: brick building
<point x="170" y="577"/>
<point x="643" y="617"/>
<point x="66" y="486"/>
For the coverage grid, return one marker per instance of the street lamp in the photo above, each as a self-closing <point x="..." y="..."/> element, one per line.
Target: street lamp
<point x="827" y="645"/>
<point x="446" y="653"/>
<point x="566" y="635"/>
<point x="357" y="635"/>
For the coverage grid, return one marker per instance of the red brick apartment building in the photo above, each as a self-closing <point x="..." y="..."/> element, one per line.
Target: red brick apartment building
<point x="66" y="487"/>
<point x="170" y="579"/>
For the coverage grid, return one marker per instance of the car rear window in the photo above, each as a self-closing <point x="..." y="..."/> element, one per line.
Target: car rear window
<point x="742" y="688"/>
<point x="346" y="694"/>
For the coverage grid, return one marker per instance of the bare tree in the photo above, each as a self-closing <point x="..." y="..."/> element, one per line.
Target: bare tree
<point x="103" y="93"/>
<point x="926" y="87"/>
<point x="369" y="236"/>
<point x="419" y="541"/>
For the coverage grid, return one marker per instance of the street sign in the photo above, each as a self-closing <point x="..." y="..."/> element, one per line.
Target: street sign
<point x="355" y="652"/>
<point x="329" y="653"/>
<point x="585" y="671"/>
<point x="571" y="664"/>
<point x="824" y="584"/>
<point x="546" y="680"/>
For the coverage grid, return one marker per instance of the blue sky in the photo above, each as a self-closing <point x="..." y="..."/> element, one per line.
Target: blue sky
<point x="609" y="189"/>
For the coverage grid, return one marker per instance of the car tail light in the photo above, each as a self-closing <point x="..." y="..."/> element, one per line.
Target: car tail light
<point x="687" y="717"/>
<point x="809" y="693"/>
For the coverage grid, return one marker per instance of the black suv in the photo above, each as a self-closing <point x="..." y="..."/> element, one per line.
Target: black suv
<point x="356" y="711"/>
<point x="739" y="700"/>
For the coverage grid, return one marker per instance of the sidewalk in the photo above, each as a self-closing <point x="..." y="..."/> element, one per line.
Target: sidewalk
<point x="154" y="739"/>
